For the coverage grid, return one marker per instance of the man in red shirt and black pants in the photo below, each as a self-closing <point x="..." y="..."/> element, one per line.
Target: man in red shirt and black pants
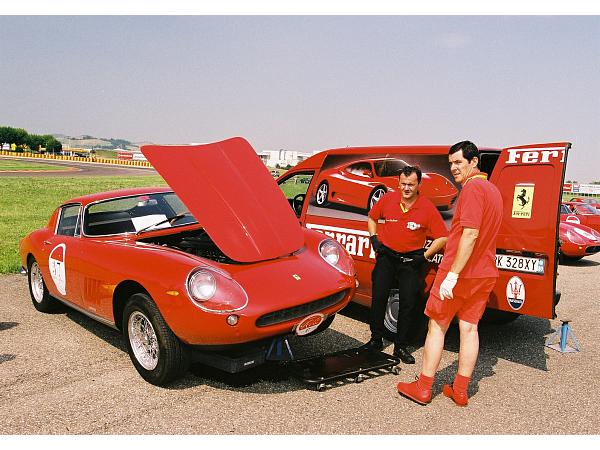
<point x="465" y="278"/>
<point x="408" y="220"/>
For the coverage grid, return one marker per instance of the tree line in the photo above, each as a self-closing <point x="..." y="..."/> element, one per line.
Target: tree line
<point x="23" y="140"/>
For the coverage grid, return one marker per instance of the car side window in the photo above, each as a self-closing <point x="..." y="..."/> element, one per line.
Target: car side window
<point x="362" y="169"/>
<point x="68" y="223"/>
<point x="295" y="188"/>
<point x="296" y="184"/>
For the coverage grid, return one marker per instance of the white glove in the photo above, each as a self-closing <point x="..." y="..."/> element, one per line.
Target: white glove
<point x="447" y="286"/>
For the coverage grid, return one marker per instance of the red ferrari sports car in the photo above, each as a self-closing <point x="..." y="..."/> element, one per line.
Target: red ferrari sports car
<point x="362" y="183"/>
<point x="588" y="200"/>
<point x="577" y="241"/>
<point x="580" y="213"/>
<point x="216" y="263"/>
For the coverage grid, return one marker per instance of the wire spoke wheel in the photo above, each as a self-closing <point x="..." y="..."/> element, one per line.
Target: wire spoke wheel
<point x="143" y="340"/>
<point x="37" y="283"/>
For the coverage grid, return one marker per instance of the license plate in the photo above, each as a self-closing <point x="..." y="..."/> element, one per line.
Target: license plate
<point x="520" y="264"/>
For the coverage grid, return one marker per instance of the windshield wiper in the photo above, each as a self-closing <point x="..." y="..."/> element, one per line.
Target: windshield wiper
<point x="171" y="221"/>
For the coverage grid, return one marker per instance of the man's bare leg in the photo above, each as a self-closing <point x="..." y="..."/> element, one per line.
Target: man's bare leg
<point x="469" y="348"/>
<point x="434" y="346"/>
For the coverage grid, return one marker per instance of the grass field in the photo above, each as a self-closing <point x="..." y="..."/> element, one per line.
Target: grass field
<point x="13" y="165"/>
<point x="26" y="204"/>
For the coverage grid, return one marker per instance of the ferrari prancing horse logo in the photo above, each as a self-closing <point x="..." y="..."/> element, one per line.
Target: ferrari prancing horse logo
<point x="296" y="277"/>
<point x="523" y="201"/>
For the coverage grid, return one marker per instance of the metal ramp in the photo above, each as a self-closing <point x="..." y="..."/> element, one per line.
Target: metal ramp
<point x="351" y="365"/>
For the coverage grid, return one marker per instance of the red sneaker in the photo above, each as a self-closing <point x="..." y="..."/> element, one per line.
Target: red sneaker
<point x="414" y="392"/>
<point x="460" y="398"/>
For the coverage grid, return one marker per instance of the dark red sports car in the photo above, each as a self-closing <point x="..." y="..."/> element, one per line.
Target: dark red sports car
<point x="362" y="183"/>
<point x="577" y="241"/>
<point x="587" y="200"/>
<point x="580" y="213"/>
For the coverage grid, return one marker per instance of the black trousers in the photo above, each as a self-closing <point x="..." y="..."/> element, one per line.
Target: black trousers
<point x="389" y="273"/>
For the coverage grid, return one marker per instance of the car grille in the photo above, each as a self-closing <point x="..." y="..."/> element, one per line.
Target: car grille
<point x="593" y="249"/>
<point x="284" y="315"/>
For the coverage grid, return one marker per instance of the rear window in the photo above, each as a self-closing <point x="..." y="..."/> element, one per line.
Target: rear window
<point x="68" y="224"/>
<point x="135" y="213"/>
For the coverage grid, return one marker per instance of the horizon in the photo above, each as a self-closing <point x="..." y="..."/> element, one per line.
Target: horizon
<point x="309" y="83"/>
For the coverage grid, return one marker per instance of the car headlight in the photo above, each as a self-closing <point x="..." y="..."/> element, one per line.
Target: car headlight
<point x="214" y="290"/>
<point x="585" y="234"/>
<point x="202" y="285"/>
<point x="574" y="237"/>
<point x="337" y="256"/>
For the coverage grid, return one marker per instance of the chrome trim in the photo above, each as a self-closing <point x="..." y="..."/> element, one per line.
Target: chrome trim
<point x="79" y="218"/>
<point x="118" y="198"/>
<point x="87" y="313"/>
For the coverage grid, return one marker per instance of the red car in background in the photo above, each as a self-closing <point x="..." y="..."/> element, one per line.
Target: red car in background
<point x="577" y="241"/>
<point x="580" y="213"/>
<point x="362" y="183"/>
<point x="587" y="200"/>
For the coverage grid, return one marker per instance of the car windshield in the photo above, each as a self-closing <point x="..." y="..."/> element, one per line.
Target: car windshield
<point x="584" y="208"/>
<point x="135" y="213"/>
<point x="389" y="167"/>
<point x="564" y="209"/>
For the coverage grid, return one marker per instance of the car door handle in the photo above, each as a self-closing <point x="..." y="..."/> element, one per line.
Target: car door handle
<point x="47" y="243"/>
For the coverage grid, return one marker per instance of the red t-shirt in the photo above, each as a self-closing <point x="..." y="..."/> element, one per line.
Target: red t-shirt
<point x="479" y="206"/>
<point x="407" y="231"/>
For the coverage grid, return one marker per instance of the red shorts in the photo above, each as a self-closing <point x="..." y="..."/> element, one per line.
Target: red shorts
<point x="470" y="300"/>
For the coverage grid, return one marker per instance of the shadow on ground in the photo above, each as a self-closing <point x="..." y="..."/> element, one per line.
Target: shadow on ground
<point x="7" y="325"/>
<point x="268" y="378"/>
<point x="580" y="263"/>
<point x="521" y="341"/>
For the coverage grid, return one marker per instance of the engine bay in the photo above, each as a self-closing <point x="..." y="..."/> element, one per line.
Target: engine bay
<point x="195" y="242"/>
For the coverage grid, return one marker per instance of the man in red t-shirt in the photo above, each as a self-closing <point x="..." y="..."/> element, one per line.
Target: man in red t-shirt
<point x="465" y="278"/>
<point x="398" y="242"/>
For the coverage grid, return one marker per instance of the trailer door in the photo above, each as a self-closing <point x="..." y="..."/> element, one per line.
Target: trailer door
<point x="530" y="179"/>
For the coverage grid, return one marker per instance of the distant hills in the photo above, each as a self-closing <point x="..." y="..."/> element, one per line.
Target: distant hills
<point x="91" y="142"/>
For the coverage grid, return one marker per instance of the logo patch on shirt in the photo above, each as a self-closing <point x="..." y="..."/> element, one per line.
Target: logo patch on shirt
<point x="413" y="226"/>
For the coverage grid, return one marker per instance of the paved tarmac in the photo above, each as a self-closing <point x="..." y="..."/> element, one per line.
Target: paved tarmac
<point x="63" y="373"/>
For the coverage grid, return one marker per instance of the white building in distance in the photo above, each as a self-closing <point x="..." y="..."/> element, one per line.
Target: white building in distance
<point x="282" y="157"/>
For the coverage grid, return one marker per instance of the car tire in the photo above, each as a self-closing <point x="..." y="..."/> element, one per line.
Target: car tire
<point x="156" y="353"/>
<point x="376" y="194"/>
<point x="418" y="328"/>
<point x="40" y="297"/>
<point x="562" y="258"/>
<point x="322" y="194"/>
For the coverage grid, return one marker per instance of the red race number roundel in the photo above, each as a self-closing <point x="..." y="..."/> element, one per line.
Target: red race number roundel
<point x="309" y="324"/>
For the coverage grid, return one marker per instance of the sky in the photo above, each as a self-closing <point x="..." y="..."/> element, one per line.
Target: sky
<point x="309" y="82"/>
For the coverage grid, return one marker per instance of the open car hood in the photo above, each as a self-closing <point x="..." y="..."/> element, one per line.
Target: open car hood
<point x="231" y="193"/>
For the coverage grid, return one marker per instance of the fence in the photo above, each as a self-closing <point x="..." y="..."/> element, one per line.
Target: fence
<point x="120" y="162"/>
